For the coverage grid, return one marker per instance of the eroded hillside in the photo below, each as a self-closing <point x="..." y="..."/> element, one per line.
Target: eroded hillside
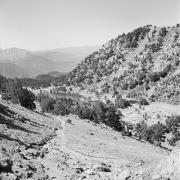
<point x="22" y="134"/>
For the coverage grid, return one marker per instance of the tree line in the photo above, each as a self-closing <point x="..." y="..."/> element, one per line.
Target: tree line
<point x="109" y="114"/>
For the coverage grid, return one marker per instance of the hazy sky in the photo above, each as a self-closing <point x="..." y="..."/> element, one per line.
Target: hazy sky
<point x="46" y="24"/>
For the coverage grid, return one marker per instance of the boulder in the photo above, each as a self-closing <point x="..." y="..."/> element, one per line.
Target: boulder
<point x="8" y="176"/>
<point x="5" y="162"/>
<point x="124" y="175"/>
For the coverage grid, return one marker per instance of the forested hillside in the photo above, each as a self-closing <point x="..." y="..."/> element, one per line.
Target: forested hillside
<point x="144" y="62"/>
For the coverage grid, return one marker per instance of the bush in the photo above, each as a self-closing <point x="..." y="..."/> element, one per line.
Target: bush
<point x="156" y="133"/>
<point x="172" y="122"/>
<point x="162" y="32"/>
<point x="143" y="102"/>
<point x="152" y="134"/>
<point x="142" y="130"/>
<point x="112" y="117"/>
<point x="11" y="90"/>
<point x="86" y="113"/>
<point x="121" y="103"/>
<point x="26" y="99"/>
<point x="98" y="110"/>
<point x="2" y="80"/>
<point x="47" y="104"/>
<point x="172" y="126"/>
<point x="60" y="108"/>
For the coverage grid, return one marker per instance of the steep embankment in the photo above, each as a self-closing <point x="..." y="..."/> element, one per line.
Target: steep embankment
<point x="22" y="134"/>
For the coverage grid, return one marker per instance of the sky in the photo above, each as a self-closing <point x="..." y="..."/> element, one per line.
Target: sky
<point x="48" y="24"/>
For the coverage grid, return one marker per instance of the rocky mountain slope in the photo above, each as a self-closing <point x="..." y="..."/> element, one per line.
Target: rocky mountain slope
<point x="145" y="60"/>
<point x="22" y="134"/>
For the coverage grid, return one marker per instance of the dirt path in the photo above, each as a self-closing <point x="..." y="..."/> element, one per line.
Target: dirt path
<point x="62" y="133"/>
<point x="62" y="162"/>
<point x="67" y="158"/>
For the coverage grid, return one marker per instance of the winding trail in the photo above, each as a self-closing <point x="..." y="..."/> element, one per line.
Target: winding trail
<point x="61" y="133"/>
<point x="62" y="161"/>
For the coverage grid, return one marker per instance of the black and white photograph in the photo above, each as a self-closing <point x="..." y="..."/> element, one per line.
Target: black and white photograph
<point x="89" y="89"/>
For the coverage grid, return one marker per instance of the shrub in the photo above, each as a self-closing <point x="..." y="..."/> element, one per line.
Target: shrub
<point x="60" y="108"/>
<point x="121" y="103"/>
<point x="99" y="109"/>
<point x="86" y="113"/>
<point x="165" y="71"/>
<point x="152" y="134"/>
<point x="172" y="141"/>
<point x="26" y="99"/>
<point x="142" y="130"/>
<point x="47" y="104"/>
<point x="172" y="125"/>
<point x="156" y="133"/>
<point x="172" y="122"/>
<point x="2" y="80"/>
<point x="61" y="89"/>
<point x="108" y="102"/>
<point x="162" y="32"/>
<point x="112" y="117"/>
<point x="11" y="90"/>
<point x="143" y="102"/>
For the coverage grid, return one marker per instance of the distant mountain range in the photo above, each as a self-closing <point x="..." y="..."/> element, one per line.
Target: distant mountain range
<point x="50" y="75"/>
<point x="15" y="62"/>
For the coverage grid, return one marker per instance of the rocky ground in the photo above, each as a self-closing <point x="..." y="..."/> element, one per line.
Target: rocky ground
<point x="36" y="146"/>
<point x="22" y="135"/>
